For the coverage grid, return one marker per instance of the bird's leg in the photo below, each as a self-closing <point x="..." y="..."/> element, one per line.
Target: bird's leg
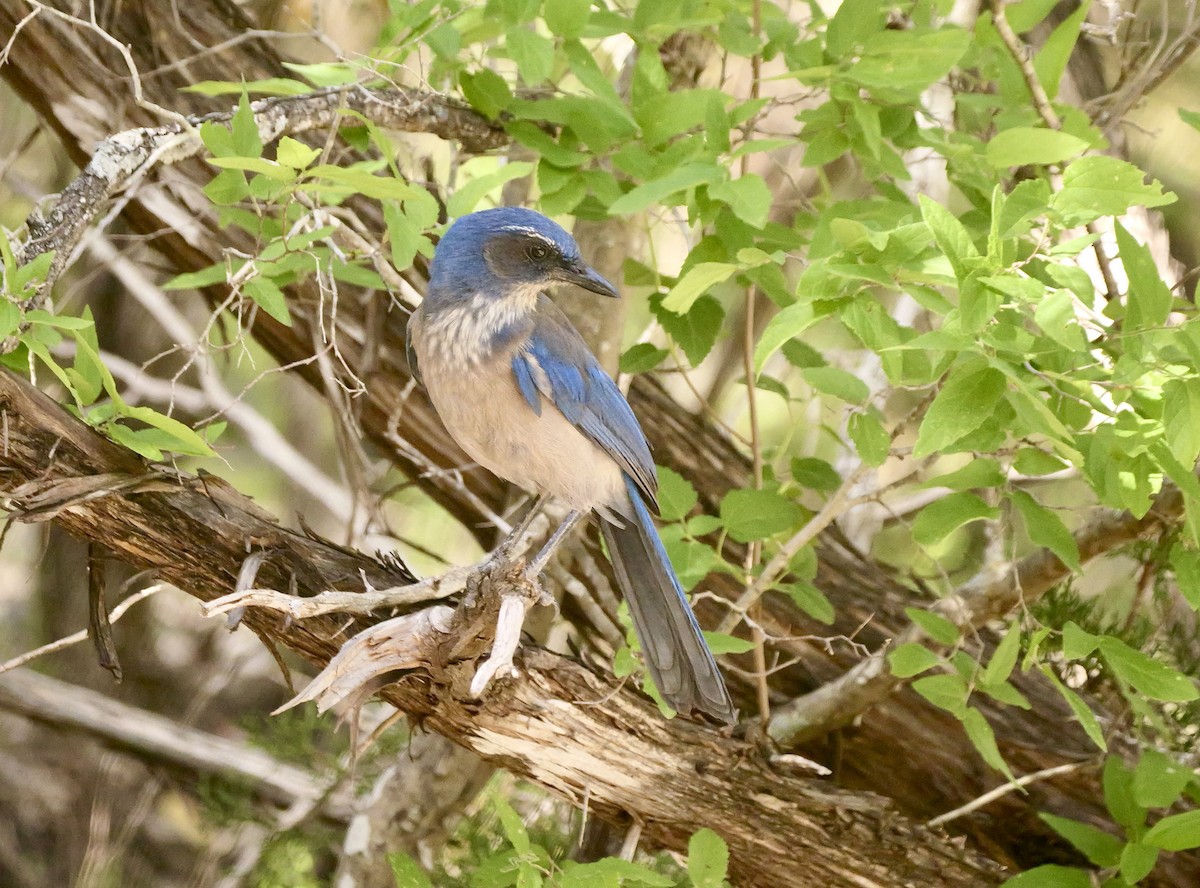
<point x="513" y="604"/>
<point x="543" y="557"/>
<point x="509" y="544"/>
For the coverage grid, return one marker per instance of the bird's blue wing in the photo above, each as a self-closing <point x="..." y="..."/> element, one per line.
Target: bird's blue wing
<point x="555" y="363"/>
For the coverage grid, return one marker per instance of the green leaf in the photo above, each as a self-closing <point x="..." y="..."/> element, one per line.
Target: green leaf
<point x="41" y="317"/>
<point x="781" y="329"/>
<point x="642" y="357"/>
<point x="1050" y="875"/>
<point x="227" y="187"/>
<point x="815" y="474"/>
<point x="267" y="296"/>
<point x="984" y="740"/>
<point x="748" y="196"/>
<point x="756" y="514"/>
<point x="325" y="73"/>
<point x="1052" y="58"/>
<point x="1147" y="676"/>
<point x="984" y="472"/>
<point x="1186" y="563"/>
<point x="708" y="859"/>
<point x="567" y="18"/>
<point x="657" y="190"/>
<point x="854" y="21"/>
<point x="871" y="440"/>
<point x="407" y="872"/>
<point x="951" y="236"/>
<point x="912" y="659"/>
<point x="1104" y="186"/>
<point x="533" y="54"/>
<point x="1181" y="418"/>
<point x="1024" y="145"/>
<point x="1099" y="847"/>
<point x="1118" y="794"/>
<point x="295" y="154"/>
<point x="182" y="438"/>
<point x="23" y="279"/>
<point x="1148" y="301"/>
<point x="696" y="329"/>
<point x="947" y="692"/>
<point x="514" y="828"/>
<point x="261" y="165"/>
<point x="270" y="86"/>
<point x="133" y="440"/>
<point x="966" y="400"/>
<point x="809" y="599"/>
<point x="195" y="280"/>
<point x="1159" y="780"/>
<point x="610" y="871"/>
<point x="1083" y="713"/>
<point x="722" y="643"/>
<point x="904" y="64"/>
<point x="695" y="283"/>
<point x="934" y="625"/>
<point x="1046" y="529"/>
<point x="1004" y="658"/>
<point x="624" y="663"/>
<point x="1078" y="643"/>
<point x="676" y="496"/>
<point x="246" y="141"/>
<point x="949" y="513"/>
<point x="10" y="318"/>
<point x="1178" y="832"/>
<point x="486" y="91"/>
<point x="1137" y="860"/>
<point x="1055" y="314"/>
<point x="1031" y="461"/>
<point x="837" y="382"/>
<point x="466" y="197"/>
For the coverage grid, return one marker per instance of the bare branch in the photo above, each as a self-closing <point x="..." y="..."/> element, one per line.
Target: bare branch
<point x="155" y="738"/>
<point x="126" y="155"/>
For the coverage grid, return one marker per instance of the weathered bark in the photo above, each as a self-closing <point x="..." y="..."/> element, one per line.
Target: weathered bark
<point x="561" y="724"/>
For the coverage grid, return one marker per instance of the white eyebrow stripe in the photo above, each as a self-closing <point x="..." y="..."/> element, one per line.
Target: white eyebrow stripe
<point x="532" y="232"/>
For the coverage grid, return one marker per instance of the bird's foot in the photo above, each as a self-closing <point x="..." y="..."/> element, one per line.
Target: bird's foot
<point x="519" y="589"/>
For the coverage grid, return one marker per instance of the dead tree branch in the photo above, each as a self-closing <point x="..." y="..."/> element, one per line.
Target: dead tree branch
<point x="154" y="738"/>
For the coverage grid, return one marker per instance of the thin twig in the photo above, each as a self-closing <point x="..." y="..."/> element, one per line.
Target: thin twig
<point x="1045" y="110"/>
<point x="1004" y="789"/>
<point x="80" y="636"/>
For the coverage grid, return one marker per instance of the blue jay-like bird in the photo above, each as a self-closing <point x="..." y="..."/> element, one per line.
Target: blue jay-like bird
<point x="518" y="389"/>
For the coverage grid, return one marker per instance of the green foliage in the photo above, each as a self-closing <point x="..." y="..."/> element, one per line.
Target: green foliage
<point x="1015" y="368"/>
<point x="499" y="847"/>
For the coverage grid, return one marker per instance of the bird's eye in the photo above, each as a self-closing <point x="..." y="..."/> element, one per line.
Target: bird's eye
<point x="537" y="251"/>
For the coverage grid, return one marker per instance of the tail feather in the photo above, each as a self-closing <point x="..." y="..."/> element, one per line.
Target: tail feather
<point x="680" y="662"/>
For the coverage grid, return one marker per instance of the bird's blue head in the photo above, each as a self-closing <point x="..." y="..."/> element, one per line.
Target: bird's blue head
<point x="508" y="252"/>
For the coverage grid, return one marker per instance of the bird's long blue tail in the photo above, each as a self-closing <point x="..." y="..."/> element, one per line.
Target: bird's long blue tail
<point x="680" y="662"/>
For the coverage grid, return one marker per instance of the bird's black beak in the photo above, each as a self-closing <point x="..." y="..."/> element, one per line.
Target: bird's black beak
<point x="588" y="278"/>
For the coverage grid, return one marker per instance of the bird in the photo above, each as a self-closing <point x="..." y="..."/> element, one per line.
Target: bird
<point x="518" y="389"/>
